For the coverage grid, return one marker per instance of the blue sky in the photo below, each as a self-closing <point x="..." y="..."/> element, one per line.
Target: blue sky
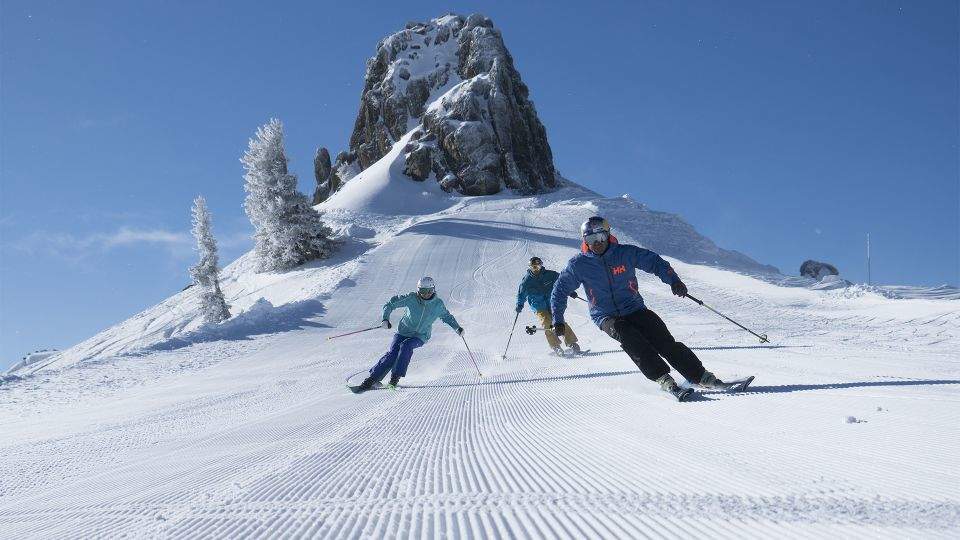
<point x="786" y="130"/>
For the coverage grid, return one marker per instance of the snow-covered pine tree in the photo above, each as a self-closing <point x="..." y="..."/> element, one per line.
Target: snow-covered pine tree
<point x="288" y="231"/>
<point x="213" y="306"/>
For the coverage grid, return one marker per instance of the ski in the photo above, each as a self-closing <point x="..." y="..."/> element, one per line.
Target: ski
<point x="682" y="394"/>
<point x="357" y="389"/>
<point x="568" y="353"/>
<point x="738" y="385"/>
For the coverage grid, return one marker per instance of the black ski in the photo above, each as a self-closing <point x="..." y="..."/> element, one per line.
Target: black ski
<point x="359" y="389"/>
<point x="682" y="394"/>
<point x="738" y="385"/>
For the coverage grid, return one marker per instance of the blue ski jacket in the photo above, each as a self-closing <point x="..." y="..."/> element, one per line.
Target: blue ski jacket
<point x="609" y="279"/>
<point x="536" y="288"/>
<point x="421" y="314"/>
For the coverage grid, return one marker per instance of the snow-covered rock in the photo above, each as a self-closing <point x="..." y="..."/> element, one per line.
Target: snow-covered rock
<point x="322" y="172"/>
<point x="817" y="270"/>
<point x="453" y="79"/>
<point x="31" y="359"/>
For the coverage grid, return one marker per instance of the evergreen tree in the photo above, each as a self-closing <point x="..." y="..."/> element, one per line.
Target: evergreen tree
<point x="288" y="231"/>
<point x="213" y="306"/>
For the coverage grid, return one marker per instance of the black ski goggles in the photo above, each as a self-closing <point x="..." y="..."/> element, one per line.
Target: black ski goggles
<point x="424" y="292"/>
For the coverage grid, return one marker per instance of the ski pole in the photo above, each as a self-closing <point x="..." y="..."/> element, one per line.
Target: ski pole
<point x="471" y="355"/>
<point x="512" y="328"/>
<point x="355" y="332"/>
<point x="763" y="337"/>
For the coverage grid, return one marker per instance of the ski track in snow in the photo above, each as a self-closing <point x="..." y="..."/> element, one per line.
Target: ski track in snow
<point x="259" y="438"/>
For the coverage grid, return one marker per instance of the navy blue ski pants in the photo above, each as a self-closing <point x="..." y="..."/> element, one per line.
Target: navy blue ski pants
<point x="397" y="358"/>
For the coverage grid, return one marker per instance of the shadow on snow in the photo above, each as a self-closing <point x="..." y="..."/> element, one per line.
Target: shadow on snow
<point x="731" y="347"/>
<point x="459" y="228"/>
<point x="787" y="388"/>
<point x="262" y="318"/>
<point x="537" y="379"/>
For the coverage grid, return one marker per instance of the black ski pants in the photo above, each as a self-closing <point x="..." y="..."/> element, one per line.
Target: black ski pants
<point x="645" y="338"/>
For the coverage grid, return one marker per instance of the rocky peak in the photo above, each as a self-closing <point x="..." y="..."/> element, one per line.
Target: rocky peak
<point x="452" y="83"/>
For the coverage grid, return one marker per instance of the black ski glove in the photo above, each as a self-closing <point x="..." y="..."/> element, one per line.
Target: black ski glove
<point x="574" y="295"/>
<point x="559" y="328"/>
<point x="460" y="331"/>
<point x="519" y="308"/>
<point x="386" y="324"/>
<point x="679" y="288"/>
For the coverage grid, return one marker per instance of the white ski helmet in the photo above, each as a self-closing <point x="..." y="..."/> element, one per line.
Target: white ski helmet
<point x="426" y="285"/>
<point x="595" y="224"/>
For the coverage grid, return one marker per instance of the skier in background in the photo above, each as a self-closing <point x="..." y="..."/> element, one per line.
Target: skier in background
<point x="535" y="288"/>
<point x="424" y="307"/>
<point x="606" y="269"/>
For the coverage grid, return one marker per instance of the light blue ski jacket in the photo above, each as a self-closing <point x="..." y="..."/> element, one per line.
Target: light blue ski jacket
<point x="421" y="314"/>
<point x="535" y="288"/>
<point x="609" y="279"/>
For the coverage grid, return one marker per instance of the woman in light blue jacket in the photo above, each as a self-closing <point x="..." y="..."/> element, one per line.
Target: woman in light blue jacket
<point x="424" y="307"/>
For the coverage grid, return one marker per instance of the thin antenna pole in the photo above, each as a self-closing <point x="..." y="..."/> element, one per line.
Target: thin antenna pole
<point x="868" y="259"/>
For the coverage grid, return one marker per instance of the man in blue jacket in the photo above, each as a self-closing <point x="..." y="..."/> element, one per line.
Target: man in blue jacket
<point x="535" y="288"/>
<point x="607" y="270"/>
<point x="424" y="307"/>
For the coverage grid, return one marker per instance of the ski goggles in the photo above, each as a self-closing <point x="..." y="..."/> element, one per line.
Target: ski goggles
<point x="424" y="292"/>
<point x="596" y="236"/>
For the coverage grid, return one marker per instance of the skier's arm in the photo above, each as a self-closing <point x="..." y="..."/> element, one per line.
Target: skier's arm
<point x="565" y="284"/>
<point x="448" y="318"/>
<point x="391" y="305"/>
<point x="553" y="276"/>
<point x="650" y="262"/>
<point x="522" y="294"/>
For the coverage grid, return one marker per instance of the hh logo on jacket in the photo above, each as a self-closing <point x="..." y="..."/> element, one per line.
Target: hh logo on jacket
<point x="617" y="270"/>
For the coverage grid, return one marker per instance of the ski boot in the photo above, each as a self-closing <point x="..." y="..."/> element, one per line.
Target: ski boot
<point x="667" y="384"/>
<point x="367" y="384"/>
<point x="394" y="382"/>
<point x="710" y="381"/>
<point x="575" y="347"/>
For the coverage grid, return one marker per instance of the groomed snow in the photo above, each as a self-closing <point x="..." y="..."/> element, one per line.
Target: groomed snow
<point x="162" y="427"/>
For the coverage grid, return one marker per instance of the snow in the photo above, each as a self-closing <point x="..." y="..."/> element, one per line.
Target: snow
<point x="383" y="189"/>
<point x="163" y="426"/>
<point x="32" y="358"/>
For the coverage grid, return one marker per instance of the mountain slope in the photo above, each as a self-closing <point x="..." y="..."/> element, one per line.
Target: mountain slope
<point x="247" y="429"/>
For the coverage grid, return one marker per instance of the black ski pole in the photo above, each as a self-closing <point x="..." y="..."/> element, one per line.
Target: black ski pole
<point x="512" y="328"/>
<point x="471" y="355"/>
<point x="762" y="337"/>
<point x="355" y="332"/>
